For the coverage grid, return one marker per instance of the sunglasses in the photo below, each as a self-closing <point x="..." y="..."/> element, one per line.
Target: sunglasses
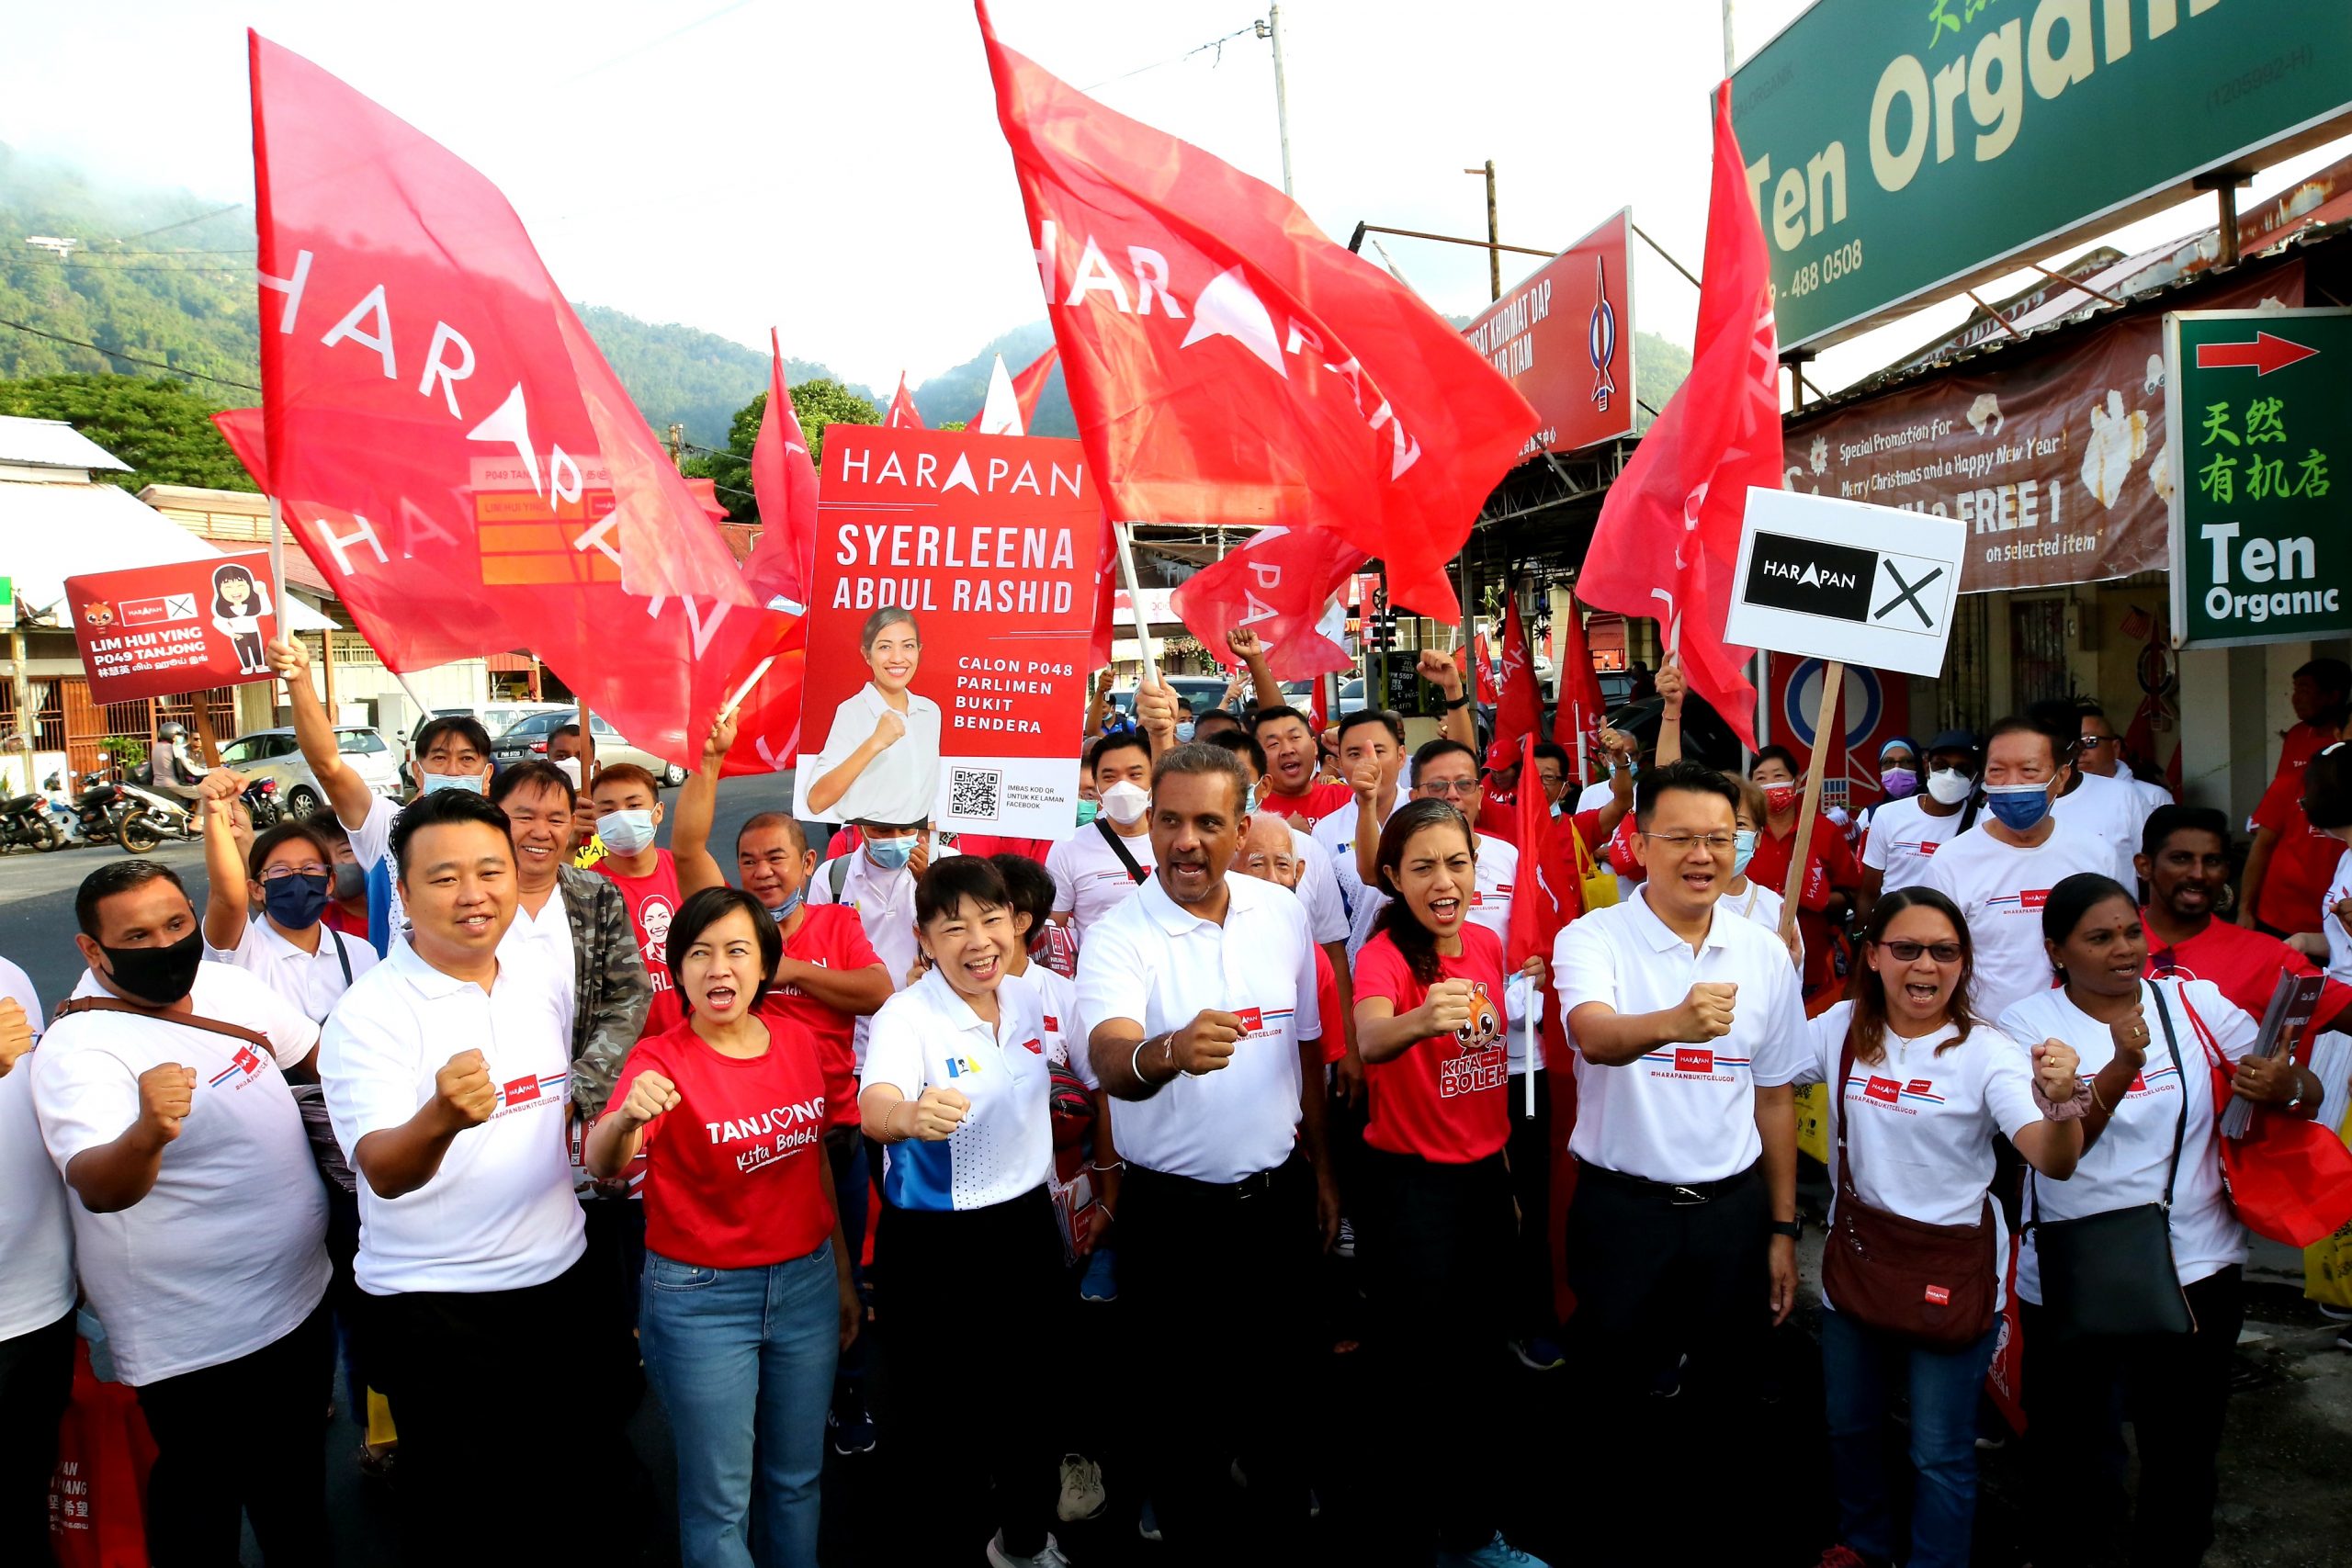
<point x="1909" y="952"/>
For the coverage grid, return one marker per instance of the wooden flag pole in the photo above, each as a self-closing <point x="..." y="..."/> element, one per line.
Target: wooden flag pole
<point x="1135" y="603"/>
<point x="1833" y="682"/>
<point x="277" y="566"/>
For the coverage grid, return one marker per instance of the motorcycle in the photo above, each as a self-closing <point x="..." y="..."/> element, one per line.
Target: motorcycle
<point x="25" y="820"/>
<point x="150" y="817"/>
<point x="99" y="809"/>
<point x="262" y="806"/>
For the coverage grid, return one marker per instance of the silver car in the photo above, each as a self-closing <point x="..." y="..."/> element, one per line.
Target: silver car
<point x="528" y="737"/>
<point x="274" y="754"/>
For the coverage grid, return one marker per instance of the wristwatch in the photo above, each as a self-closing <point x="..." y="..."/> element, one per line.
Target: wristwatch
<point x="1455" y="703"/>
<point x="1793" y="1229"/>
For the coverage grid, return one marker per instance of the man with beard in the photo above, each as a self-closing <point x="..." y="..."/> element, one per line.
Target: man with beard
<point x="200" y="1223"/>
<point x="1200" y="992"/>
<point x="2185" y="859"/>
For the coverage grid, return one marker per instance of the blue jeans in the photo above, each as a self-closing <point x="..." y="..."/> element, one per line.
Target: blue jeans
<point x="1861" y="1369"/>
<point x="743" y="1361"/>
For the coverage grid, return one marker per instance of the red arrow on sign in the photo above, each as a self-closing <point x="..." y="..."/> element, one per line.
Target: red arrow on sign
<point x="2264" y="353"/>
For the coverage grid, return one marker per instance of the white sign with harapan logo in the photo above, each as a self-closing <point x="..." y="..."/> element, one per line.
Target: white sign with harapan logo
<point x="1867" y="585"/>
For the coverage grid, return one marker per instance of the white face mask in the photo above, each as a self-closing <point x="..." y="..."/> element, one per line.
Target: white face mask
<point x="569" y="768"/>
<point x="1948" y="786"/>
<point x="626" y="832"/>
<point x="1126" y="803"/>
<point x="452" y="780"/>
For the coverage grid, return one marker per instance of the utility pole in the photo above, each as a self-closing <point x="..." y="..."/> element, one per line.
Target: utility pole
<point x="1727" y="55"/>
<point x="1271" y="27"/>
<point x="677" y="444"/>
<point x="1494" y="233"/>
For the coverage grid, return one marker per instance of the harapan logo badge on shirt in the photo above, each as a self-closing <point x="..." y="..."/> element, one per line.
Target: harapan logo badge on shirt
<point x="1053" y="1023"/>
<point x="1927" y="848"/>
<point x="1885" y="1091"/>
<point x="1034" y="1047"/>
<point x="1252" y="1019"/>
<point x="521" y="1090"/>
<point x="1687" y="1060"/>
<point x="244" y="1065"/>
<point x="2032" y="897"/>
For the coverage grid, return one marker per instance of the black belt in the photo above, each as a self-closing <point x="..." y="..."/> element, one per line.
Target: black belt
<point x="1674" y="1194"/>
<point x="1257" y="1184"/>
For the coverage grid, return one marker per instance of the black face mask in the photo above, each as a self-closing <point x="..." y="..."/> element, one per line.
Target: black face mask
<point x="157" y="976"/>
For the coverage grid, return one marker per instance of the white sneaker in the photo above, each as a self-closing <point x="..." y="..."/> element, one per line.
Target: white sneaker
<point x="1048" y="1555"/>
<point x="1082" y="1495"/>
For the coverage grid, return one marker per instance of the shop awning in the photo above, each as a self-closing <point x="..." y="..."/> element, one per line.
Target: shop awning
<point x="52" y="531"/>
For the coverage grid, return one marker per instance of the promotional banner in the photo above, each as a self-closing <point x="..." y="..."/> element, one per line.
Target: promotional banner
<point x="952" y="605"/>
<point x="2261" y="409"/>
<point x="2054" y="457"/>
<point x="1565" y="338"/>
<point x="1898" y="150"/>
<point x="153" y="631"/>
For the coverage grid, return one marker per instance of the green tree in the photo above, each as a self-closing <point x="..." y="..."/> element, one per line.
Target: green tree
<point x="161" y="428"/>
<point x="815" y="403"/>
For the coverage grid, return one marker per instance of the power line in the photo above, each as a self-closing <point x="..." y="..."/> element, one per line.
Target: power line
<point x="130" y="358"/>
<point x="217" y="212"/>
<point x="1216" y="43"/>
<point x="85" y="267"/>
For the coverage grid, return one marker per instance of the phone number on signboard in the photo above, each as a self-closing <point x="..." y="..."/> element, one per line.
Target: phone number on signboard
<point x="1845" y="260"/>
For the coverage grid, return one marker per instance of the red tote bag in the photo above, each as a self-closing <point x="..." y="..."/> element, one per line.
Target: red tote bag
<point x="97" y="1495"/>
<point x="2290" y="1179"/>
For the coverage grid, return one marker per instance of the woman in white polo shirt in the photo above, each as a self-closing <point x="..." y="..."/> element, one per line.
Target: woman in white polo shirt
<point x="967" y="1261"/>
<point x="881" y="758"/>
<point x="747" y="1300"/>
<point x="2155" y="1046"/>
<point x="1436" y="1227"/>
<point x="1923" y="1089"/>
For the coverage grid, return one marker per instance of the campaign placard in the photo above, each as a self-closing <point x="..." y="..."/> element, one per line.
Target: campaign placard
<point x="1843" y="580"/>
<point x="950" y="611"/>
<point x="152" y="631"/>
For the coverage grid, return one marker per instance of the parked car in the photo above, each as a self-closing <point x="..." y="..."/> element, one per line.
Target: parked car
<point x="495" y="718"/>
<point x="273" y="754"/>
<point x="528" y="737"/>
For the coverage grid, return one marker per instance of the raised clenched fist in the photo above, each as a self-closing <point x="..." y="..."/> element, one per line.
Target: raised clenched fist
<point x="1705" y="1013"/>
<point x="167" y="1094"/>
<point x="2056" y="1065"/>
<point x="1244" y="641"/>
<point x="889" y="730"/>
<point x="2130" y="1033"/>
<point x="16" y="1033"/>
<point x="1452" y="1005"/>
<point x="464" y="1091"/>
<point x="938" y="1113"/>
<point x="650" y="1095"/>
<point x="288" y="659"/>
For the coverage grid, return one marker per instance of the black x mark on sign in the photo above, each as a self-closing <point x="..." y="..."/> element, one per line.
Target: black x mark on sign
<point x="1910" y="595"/>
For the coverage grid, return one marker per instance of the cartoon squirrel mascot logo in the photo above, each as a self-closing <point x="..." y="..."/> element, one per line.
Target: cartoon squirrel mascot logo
<point x="1485" y="1030"/>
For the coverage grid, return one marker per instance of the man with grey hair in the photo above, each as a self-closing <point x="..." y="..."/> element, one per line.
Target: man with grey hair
<point x="1200" y="997"/>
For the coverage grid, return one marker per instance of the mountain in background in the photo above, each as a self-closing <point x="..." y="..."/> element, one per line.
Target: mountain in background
<point x="960" y="393"/>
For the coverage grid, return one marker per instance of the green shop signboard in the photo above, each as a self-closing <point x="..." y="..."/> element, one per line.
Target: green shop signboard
<point x="2260" y="414"/>
<point x="1899" y="149"/>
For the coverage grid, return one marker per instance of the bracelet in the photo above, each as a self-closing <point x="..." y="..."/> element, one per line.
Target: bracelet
<point x="1134" y="1060"/>
<point x="1456" y="704"/>
<point x="2069" y="1109"/>
<point x="1106" y="1211"/>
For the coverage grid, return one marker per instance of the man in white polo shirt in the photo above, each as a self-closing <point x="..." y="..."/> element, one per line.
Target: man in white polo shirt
<point x="200" y="1223"/>
<point x="36" y="1287"/>
<point x="2000" y="872"/>
<point x="447" y="1073"/>
<point x="1200" y="1000"/>
<point x="1689" y="1027"/>
<point x="1099" y="867"/>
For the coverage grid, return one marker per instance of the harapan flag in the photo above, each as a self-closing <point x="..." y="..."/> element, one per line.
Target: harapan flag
<point x="1668" y="534"/>
<point x="444" y="438"/>
<point x="784" y="482"/>
<point x="1280" y="584"/>
<point x="1518" y="707"/>
<point x="767" y="735"/>
<point x="902" y="414"/>
<point x="1230" y="366"/>
<point x="1029" y="385"/>
<point x="1576" y="722"/>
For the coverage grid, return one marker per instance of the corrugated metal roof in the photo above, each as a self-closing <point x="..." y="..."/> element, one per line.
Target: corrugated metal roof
<point x="53" y="444"/>
<point x="56" y="531"/>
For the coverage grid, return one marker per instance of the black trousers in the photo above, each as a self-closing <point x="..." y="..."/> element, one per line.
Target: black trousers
<point x="36" y="1383"/>
<point x="502" y="1396"/>
<point x="241" y="1436"/>
<point x="1531" y="1187"/>
<point x="1218" y="1288"/>
<point x="968" y="1302"/>
<point x="1436" y="1243"/>
<point x="2174" y="1389"/>
<point x="1657" y="1280"/>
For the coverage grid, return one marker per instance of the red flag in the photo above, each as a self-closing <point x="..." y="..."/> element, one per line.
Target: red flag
<point x="1518" y="707"/>
<point x="443" y="436"/>
<point x="1107" y="619"/>
<point x="902" y="414"/>
<point x="1318" y="709"/>
<point x="1279" y="584"/>
<point x="1030" y="384"/>
<point x="1576" y="722"/>
<point x="785" y="483"/>
<point x="1230" y="365"/>
<point x="1670" y="528"/>
<point x="242" y="429"/>
<point x="1487" y="692"/>
<point x="1535" y="913"/>
<point x="767" y="735"/>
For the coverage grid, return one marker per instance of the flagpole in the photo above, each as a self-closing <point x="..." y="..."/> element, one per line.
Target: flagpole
<point x="1135" y="603"/>
<point x="1833" y="682"/>
<point x="278" y="563"/>
<point x="1528" y="1048"/>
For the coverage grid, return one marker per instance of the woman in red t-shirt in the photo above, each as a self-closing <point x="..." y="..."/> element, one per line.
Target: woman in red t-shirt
<point x="1831" y="876"/>
<point x="747" y="1295"/>
<point x="1433" y="1215"/>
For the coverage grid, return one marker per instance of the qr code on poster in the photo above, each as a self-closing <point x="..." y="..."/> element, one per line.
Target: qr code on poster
<point x="974" y="793"/>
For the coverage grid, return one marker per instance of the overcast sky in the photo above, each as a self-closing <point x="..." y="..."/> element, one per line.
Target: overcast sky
<point x="836" y="169"/>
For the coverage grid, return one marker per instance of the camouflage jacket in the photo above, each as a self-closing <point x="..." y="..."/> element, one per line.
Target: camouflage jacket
<point x="613" y="991"/>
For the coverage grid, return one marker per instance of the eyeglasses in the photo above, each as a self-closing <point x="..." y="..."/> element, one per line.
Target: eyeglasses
<point x="1455" y="788"/>
<point x="1717" y="843"/>
<point x="1909" y="952"/>
<point x="281" y="871"/>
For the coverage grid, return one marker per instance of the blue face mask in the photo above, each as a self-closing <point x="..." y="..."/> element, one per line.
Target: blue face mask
<point x="2021" y="807"/>
<point x="295" y="903"/>
<point x="783" y="911"/>
<point x="1184" y="730"/>
<point x="1743" y="850"/>
<point x="626" y="832"/>
<point x="452" y="780"/>
<point x="890" y="854"/>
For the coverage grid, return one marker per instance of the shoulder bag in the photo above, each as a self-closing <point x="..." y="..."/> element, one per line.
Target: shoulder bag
<point x="2112" y="1273"/>
<point x="1930" y="1284"/>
